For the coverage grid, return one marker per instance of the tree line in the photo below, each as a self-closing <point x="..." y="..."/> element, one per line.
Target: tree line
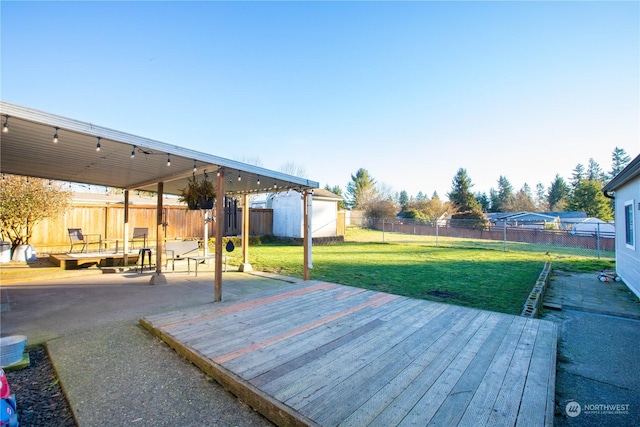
<point x="582" y="192"/>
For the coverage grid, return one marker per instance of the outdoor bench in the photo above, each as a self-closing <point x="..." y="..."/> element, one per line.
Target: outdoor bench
<point x="176" y="251"/>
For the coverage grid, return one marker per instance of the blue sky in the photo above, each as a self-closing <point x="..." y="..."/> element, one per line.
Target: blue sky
<point x="410" y="91"/>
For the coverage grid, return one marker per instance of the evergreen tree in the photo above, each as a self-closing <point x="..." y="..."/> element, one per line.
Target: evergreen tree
<point x="361" y="190"/>
<point x="594" y="172"/>
<point x="403" y="198"/>
<point x="494" y="199"/>
<point x="540" y="201"/>
<point x="421" y="196"/>
<point x="505" y="193"/>
<point x="483" y="200"/>
<point x="577" y="175"/>
<point x="588" y="197"/>
<point x="461" y="196"/>
<point x="558" y="193"/>
<point x="619" y="160"/>
<point x="342" y="205"/>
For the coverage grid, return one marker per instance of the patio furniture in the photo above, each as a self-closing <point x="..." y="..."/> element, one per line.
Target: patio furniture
<point x="201" y="259"/>
<point x="140" y="234"/>
<point x="77" y="237"/>
<point x="175" y="251"/>
<point x="141" y="253"/>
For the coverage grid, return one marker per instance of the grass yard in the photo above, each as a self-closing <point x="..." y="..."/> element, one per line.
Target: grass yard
<point x="487" y="279"/>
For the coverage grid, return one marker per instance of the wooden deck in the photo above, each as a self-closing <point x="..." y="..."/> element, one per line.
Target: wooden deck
<point x="325" y="354"/>
<point x="82" y="260"/>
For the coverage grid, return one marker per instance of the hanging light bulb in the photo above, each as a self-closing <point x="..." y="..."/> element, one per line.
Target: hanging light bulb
<point x="55" y="135"/>
<point x="195" y="167"/>
<point x="133" y="152"/>
<point x="5" y="127"/>
<point x="168" y="159"/>
<point x="275" y="184"/>
<point x="218" y="173"/>
<point x="258" y="182"/>
<point x="98" y="144"/>
<point x="239" y="177"/>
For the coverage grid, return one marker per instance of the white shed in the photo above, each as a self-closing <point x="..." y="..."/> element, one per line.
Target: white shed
<point x="288" y="210"/>
<point x="593" y="226"/>
<point x="624" y="188"/>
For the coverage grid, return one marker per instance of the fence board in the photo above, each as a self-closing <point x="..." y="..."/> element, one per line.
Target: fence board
<point x="51" y="235"/>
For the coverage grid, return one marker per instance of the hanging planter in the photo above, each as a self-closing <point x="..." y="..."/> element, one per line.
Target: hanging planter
<point x="206" y="204"/>
<point x="198" y="194"/>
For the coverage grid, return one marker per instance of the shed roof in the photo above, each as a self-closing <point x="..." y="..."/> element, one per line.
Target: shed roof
<point x="28" y="150"/>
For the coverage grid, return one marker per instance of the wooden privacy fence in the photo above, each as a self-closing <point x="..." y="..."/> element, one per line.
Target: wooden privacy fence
<point x="51" y="235"/>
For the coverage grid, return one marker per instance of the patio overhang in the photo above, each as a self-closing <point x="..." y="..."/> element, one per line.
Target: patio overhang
<point x="132" y="162"/>
<point x="28" y="149"/>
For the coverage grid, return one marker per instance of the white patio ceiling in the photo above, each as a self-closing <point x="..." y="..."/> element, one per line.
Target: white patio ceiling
<point x="27" y="149"/>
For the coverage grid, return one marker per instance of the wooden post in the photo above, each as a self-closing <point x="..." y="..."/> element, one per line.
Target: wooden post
<point x="217" y="289"/>
<point x="125" y="244"/>
<point x="158" y="278"/>
<point x="308" y="238"/>
<point x="159" y="229"/>
<point x="246" y="265"/>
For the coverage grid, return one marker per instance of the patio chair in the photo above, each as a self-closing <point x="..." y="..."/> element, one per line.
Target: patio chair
<point x="77" y="237"/>
<point x="140" y="234"/>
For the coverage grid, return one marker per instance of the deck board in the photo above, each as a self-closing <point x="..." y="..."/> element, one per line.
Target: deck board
<point x="316" y="353"/>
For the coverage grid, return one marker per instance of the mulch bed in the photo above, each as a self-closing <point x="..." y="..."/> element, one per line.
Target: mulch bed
<point x="38" y="393"/>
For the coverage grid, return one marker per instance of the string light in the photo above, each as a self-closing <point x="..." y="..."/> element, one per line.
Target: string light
<point x="258" y="182"/>
<point x="98" y="144"/>
<point x="195" y="167"/>
<point x="275" y="184"/>
<point x="218" y="173"/>
<point x="133" y="152"/>
<point x="168" y="159"/>
<point x="239" y="177"/>
<point x="55" y="135"/>
<point x="5" y="127"/>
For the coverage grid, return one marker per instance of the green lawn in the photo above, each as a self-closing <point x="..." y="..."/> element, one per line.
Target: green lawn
<point x="482" y="278"/>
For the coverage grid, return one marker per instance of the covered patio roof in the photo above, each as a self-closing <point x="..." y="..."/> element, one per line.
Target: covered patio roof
<point x="124" y="161"/>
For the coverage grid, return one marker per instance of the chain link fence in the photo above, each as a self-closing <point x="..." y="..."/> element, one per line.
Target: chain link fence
<point x="597" y="240"/>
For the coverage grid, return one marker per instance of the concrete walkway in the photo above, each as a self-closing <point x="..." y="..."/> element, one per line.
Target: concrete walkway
<point x="597" y="378"/>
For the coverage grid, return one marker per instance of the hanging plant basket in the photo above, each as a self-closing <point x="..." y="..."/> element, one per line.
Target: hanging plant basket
<point x="198" y="194"/>
<point x="206" y="204"/>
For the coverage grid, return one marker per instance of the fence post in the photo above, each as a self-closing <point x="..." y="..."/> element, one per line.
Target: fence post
<point x="504" y="236"/>
<point x="598" y="238"/>
<point x="382" y="230"/>
<point x="436" y="233"/>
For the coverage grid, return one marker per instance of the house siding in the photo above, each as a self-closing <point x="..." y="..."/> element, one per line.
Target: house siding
<point x="627" y="257"/>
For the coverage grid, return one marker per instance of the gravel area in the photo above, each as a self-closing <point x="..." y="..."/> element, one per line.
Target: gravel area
<point x="39" y="396"/>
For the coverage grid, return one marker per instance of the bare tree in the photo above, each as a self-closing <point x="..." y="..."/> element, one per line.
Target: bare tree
<point x="291" y="168"/>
